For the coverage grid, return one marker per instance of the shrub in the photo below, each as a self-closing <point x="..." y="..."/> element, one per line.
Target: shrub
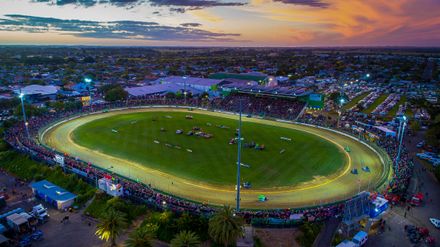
<point x="309" y="232"/>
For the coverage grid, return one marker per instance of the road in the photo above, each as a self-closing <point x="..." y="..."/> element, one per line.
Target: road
<point x="423" y="181"/>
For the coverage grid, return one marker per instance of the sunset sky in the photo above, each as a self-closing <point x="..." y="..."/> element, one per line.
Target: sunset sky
<point x="221" y="22"/>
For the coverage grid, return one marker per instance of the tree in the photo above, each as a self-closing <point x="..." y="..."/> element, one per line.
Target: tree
<point x="110" y="226"/>
<point x="115" y="94"/>
<point x="30" y="110"/>
<point x="185" y="239"/>
<point x="141" y="237"/>
<point x="224" y="227"/>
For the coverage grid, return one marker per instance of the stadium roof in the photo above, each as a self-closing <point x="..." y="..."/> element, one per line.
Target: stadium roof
<point x="153" y="89"/>
<point x="188" y="80"/>
<point x="248" y="76"/>
<point x="39" y="90"/>
<point x="158" y="89"/>
<point x="275" y="91"/>
<point x="52" y="191"/>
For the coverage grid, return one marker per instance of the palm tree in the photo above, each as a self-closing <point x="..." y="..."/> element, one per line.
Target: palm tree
<point x="185" y="239"/>
<point x="142" y="237"/>
<point x="111" y="225"/>
<point x="225" y="227"/>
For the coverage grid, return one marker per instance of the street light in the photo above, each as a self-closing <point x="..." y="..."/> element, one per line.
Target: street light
<point x="21" y="96"/>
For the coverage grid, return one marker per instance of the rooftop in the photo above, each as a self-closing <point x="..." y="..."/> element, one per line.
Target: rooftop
<point x="52" y="191"/>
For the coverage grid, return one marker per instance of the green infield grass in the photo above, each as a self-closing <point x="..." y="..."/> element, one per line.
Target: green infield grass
<point x="150" y="138"/>
<point x="377" y="102"/>
<point x="392" y="113"/>
<point x="355" y="100"/>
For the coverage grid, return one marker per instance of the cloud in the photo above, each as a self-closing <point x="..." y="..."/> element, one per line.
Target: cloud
<point x="137" y="30"/>
<point x="310" y="3"/>
<point x="130" y="3"/>
<point x="195" y="3"/>
<point x="191" y="24"/>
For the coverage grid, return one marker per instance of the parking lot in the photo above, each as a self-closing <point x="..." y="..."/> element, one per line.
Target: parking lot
<point x="77" y="231"/>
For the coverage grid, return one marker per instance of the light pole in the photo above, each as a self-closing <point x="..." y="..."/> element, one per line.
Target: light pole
<point x="399" y="130"/>
<point x="184" y="89"/>
<point x="88" y="81"/>
<point x="341" y="102"/>
<point x="24" y="116"/>
<point x="238" y="161"/>
<point x="403" y="119"/>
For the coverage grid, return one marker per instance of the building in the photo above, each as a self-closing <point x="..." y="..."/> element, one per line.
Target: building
<point x="53" y="194"/>
<point x="258" y="77"/>
<point x="202" y="84"/>
<point x="39" y="92"/>
<point x="159" y="89"/>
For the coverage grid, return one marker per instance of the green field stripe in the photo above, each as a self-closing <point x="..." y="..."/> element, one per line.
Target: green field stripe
<point x="355" y="100"/>
<point x="393" y="111"/>
<point x="377" y="102"/>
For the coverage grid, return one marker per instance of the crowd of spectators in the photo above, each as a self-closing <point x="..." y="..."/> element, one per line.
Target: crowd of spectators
<point x="403" y="169"/>
<point x="261" y="106"/>
<point x="17" y="138"/>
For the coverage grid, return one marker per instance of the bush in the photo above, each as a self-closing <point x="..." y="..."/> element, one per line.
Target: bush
<point x="437" y="173"/>
<point x="309" y="232"/>
<point x="337" y="239"/>
<point x="169" y="224"/>
<point x="103" y="202"/>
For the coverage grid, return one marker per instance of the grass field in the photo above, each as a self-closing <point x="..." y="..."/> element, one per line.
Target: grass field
<point x="355" y="100"/>
<point x="377" y="102"/>
<point x="132" y="137"/>
<point x="392" y="113"/>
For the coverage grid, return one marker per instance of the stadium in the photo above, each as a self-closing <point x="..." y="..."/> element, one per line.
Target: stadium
<point x="191" y="153"/>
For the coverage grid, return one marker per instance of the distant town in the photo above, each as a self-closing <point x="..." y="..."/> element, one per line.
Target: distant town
<point x="158" y="146"/>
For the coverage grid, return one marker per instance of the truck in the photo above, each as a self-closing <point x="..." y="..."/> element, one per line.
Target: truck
<point x="40" y="213"/>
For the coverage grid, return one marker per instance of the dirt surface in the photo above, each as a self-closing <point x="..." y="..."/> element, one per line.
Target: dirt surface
<point x="277" y="237"/>
<point x="337" y="187"/>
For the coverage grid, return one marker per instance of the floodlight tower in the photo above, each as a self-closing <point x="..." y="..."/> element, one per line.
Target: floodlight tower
<point x="88" y="81"/>
<point x="403" y="120"/>
<point x="341" y="103"/>
<point x="184" y="88"/>
<point x="238" y="161"/>
<point x="21" y="96"/>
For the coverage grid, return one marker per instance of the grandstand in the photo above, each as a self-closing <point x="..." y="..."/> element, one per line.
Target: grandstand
<point x="262" y="105"/>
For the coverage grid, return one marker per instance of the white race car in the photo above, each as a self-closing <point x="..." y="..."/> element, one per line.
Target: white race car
<point x="435" y="222"/>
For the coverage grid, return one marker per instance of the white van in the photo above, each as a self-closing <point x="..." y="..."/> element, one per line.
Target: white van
<point x="360" y="238"/>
